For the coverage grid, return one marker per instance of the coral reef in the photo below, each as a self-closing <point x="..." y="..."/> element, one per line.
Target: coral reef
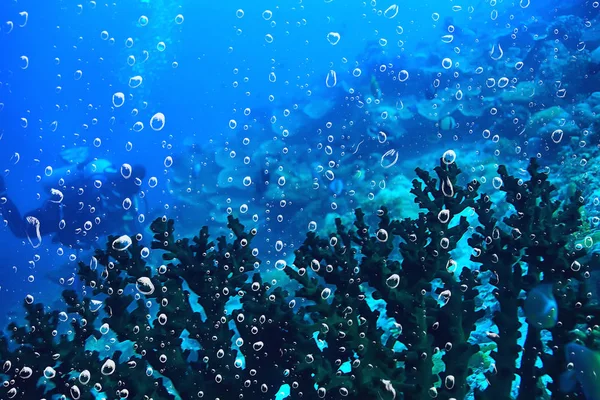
<point x="372" y="312"/>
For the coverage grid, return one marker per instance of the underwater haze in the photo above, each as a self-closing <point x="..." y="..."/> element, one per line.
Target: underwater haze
<point x="303" y="199"/>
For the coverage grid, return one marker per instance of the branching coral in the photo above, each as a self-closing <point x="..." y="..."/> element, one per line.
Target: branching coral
<point x="380" y="312"/>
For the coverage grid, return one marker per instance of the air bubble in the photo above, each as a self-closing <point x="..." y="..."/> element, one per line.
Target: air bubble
<point x="157" y="122"/>
<point x="333" y="38"/>
<point x="393" y="281"/>
<point x="118" y="99"/>
<point x="331" y="79"/>
<point x="126" y="171"/>
<point x="449" y="157"/>
<point x="280" y="265"/>
<point x="145" y="286"/>
<point x="135" y="81"/>
<point x="391" y="11"/>
<point x="121" y="243"/>
<point x="108" y="367"/>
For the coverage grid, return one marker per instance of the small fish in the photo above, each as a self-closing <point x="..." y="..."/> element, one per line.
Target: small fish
<point x="375" y="89"/>
<point x="447" y="123"/>
<point x="586" y="364"/>
<point x="541" y="309"/>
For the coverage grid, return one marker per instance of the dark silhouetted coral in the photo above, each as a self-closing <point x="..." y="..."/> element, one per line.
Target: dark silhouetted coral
<point x="380" y="310"/>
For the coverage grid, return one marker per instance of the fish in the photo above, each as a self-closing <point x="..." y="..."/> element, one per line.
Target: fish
<point x="541" y="309"/>
<point x="585" y="371"/>
<point x="447" y="123"/>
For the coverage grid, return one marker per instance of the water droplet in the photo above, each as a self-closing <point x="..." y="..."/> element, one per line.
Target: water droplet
<point x="267" y="14"/>
<point x="331" y="79"/>
<point x="449" y="157"/>
<point x="403" y="75"/>
<point x="126" y="171"/>
<point x="84" y="377"/>
<point x="144" y="285"/>
<point x="108" y="367"/>
<point x="157" y="122"/>
<point x="280" y="265"/>
<point x="135" y="81"/>
<point x="382" y="235"/>
<point x="496" y="53"/>
<point x="121" y="243"/>
<point x="49" y="373"/>
<point x="333" y="38"/>
<point x="497" y="182"/>
<point x="138" y="126"/>
<point x="449" y="382"/>
<point x="389" y="158"/>
<point x="444" y="216"/>
<point x="393" y="281"/>
<point x="118" y="99"/>
<point x="258" y="346"/>
<point x="557" y="135"/>
<point x="391" y="11"/>
<point x="104" y="329"/>
<point x="279" y="245"/>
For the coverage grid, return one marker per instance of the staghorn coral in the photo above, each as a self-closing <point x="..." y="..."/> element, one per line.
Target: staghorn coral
<point x="381" y="312"/>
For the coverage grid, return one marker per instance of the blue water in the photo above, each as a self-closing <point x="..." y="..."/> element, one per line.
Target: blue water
<point x="285" y="114"/>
